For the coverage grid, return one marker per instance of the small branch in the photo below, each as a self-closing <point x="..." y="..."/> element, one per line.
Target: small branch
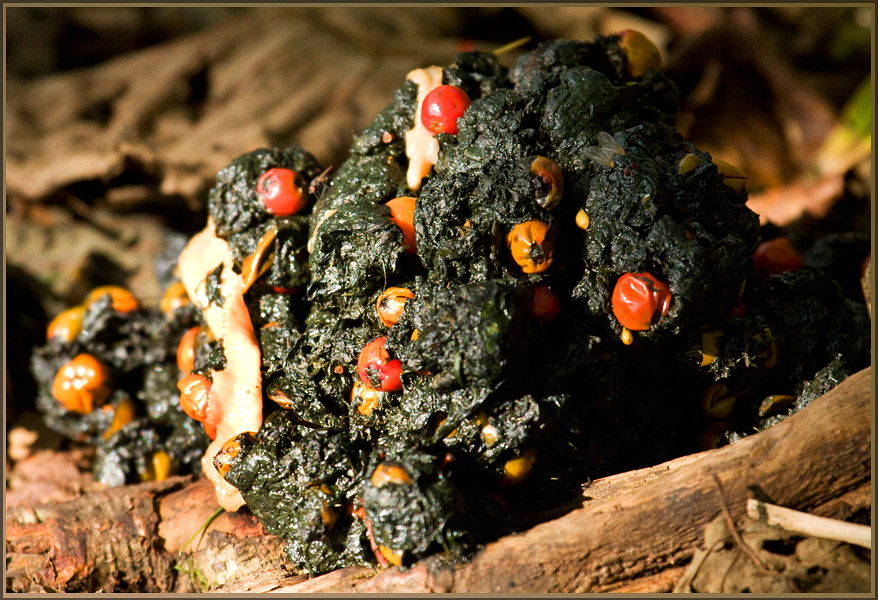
<point x="802" y="523"/>
<point x="734" y="530"/>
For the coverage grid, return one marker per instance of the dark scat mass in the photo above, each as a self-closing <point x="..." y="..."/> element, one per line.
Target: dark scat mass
<point x="486" y="386"/>
<point x="503" y="412"/>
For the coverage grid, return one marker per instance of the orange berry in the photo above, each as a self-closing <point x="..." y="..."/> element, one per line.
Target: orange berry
<point x="82" y="384"/>
<point x="530" y="247"/>
<point x="67" y="324"/>
<point x="123" y="300"/>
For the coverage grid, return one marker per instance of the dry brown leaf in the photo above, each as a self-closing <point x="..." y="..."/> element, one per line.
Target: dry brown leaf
<point x="782" y="205"/>
<point x="182" y="110"/>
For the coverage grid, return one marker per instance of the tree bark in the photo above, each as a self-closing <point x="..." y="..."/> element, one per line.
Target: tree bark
<point x="638" y="540"/>
<point x="635" y="532"/>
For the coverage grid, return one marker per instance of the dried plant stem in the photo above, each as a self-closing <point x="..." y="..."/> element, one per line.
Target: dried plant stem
<point x="512" y="45"/>
<point x="802" y="523"/>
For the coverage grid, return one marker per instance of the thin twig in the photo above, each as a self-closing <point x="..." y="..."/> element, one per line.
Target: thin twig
<point x="511" y="45"/>
<point x="802" y="523"/>
<point x="734" y="531"/>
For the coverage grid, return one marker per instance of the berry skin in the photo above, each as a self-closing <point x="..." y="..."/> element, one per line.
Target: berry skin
<point x="391" y="303"/>
<point x="186" y="350"/>
<point x="550" y="182"/>
<point x="545" y="304"/>
<point x="282" y="191"/>
<point x="67" y="324"/>
<point x="402" y="213"/>
<point x="776" y="256"/>
<point x="442" y="107"/>
<point x="195" y="396"/>
<point x="122" y="299"/>
<point x="638" y="298"/>
<point x="373" y="357"/>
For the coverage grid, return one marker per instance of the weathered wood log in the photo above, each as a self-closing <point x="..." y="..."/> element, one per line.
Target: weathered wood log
<point x="137" y="538"/>
<point x="637" y="541"/>
<point x="634" y="532"/>
<point x="102" y="541"/>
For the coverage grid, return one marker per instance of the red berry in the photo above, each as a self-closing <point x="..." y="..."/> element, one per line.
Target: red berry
<point x="282" y="191"/>
<point x="637" y="298"/>
<point x="375" y="359"/>
<point x="776" y="256"/>
<point x="442" y="107"/>
<point x="545" y="304"/>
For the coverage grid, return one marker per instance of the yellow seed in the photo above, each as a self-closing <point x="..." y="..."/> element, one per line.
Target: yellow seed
<point x="709" y="348"/>
<point x="415" y="335"/>
<point x="688" y="162"/>
<point x="82" y="384"/>
<point x="518" y="469"/>
<point x="582" y="219"/>
<point x="717" y="402"/>
<point x="390" y="473"/>
<point x="641" y="54"/>
<point x="531" y="244"/>
<point x="160" y="468"/>
<point x="223" y="459"/>
<point x="162" y="465"/>
<point x="732" y="175"/>
<point x="394" y="557"/>
<point x="123" y="415"/>
<point x="490" y="435"/>
<point x="627" y="336"/>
